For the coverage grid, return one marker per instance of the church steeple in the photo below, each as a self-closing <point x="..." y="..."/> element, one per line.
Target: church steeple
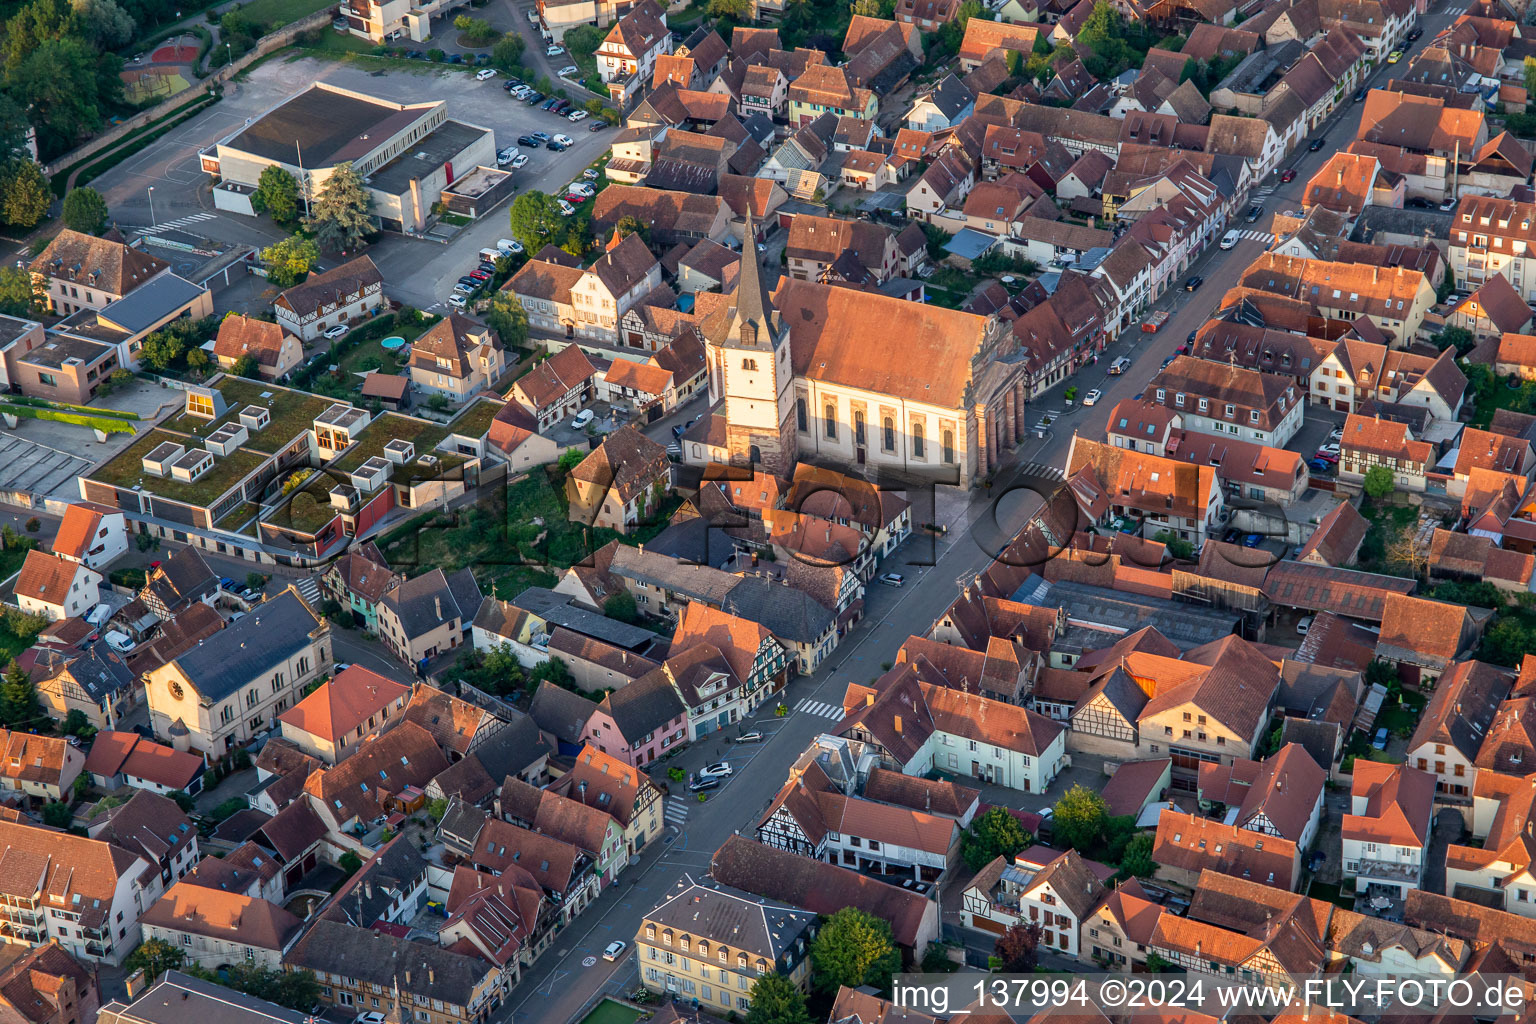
<point x="754" y="320"/>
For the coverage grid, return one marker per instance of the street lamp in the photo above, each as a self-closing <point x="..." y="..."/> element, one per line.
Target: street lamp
<point x="229" y="54"/>
<point x="152" y="222"/>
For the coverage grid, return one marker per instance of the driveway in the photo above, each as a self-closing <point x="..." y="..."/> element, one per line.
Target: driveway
<point x="1448" y="829"/>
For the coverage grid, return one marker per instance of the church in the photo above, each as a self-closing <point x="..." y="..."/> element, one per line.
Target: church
<point x="857" y="381"/>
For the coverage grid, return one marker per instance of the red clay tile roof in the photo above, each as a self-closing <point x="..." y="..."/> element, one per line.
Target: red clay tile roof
<point x="344" y="703"/>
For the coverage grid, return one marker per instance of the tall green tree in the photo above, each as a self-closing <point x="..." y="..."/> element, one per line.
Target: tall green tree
<point x="1079" y="818"/>
<point x="535" y="220"/>
<point x="1379" y="482"/>
<point x="289" y="260"/>
<point x="508" y="51"/>
<point x="1137" y="860"/>
<point x="277" y="195"/>
<point x="19" y="706"/>
<point x="24" y="194"/>
<point x="60" y="81"/>
<point x="105" y="23"/>
<point x="85" y="210"/>
<point x="508" y="319"/>
<point x="776" y="1000"/>
<point x="155" y="957"/>
<point x="854" y="948"/>
<point x="16" y="295"/>
<point x="339" y="213"/>
<point x="996" y="833"/>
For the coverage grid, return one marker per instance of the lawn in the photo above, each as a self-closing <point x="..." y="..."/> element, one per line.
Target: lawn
<point x="278" y="13"/>
<point x="1386" y="521"/>
<point x="610" y="1012"/>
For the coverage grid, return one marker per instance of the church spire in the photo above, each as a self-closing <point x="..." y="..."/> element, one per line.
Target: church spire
<point x="754" y="320"/>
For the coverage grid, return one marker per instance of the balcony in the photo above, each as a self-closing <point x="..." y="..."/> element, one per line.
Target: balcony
<point x="1390" y="871"/>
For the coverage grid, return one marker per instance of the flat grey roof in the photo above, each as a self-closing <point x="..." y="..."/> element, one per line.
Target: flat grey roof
<point x="62" y="347"/>
<point x="178" y="998"/>
<point x="440" y="146"/>
<point x="151" y="302"/>
<point x="324" y="127"/>
<point x="1188" y="626"/>
<point x="12" y="327"/>
<point x="557" y="609"/>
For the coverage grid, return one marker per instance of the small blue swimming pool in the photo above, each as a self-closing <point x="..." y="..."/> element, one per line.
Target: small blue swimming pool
<point x="390" y="344"/>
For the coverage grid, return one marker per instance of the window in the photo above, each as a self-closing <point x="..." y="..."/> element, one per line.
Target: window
<point x="917" y="441"/>
<point x="829" y="422"/>
<point x="858" y="428"/>
<point x="800" y="415"/>
<point x="888" y="430"/>
<point x="749" y="364"/>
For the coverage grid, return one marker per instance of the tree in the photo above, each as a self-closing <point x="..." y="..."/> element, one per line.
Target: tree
<point x="197" y="360"/>
<point x="508" y="319"/>
<point x="289" y="261"/>
<point x="854" y="948"/>
<point x="776" y="1000"/>
<point x="1379" y="482"/>
<point x="582" y="41"/>
<point x="534" y="220"/>
<point x="85" y="211"/>
<point x="24" y="194"/>
<point x="508" y="51"/>
<point x="104" y="23"/>
<point x="629" y="224"/>
<point x="245" y="366"/>
<point x="993" y="834"/>
<point x="475" y="31"/>
<point x="1530" y="75"/>
<point x="255" y="580"/>
<point x="349" y="862"/>
<point x="16" y="295"/>
<point x="75" y="723"/>
<point x="736" y="10"/>
<point x="1458" y="338"/>
<point x="57" y="814"/>
<point x="339" y="214"/>
<point x="1018" y="948"/>
<point x="621" y="605"/>
<point x="154" y="957"/>
<point x="277" y="195"/>
<point x="1079" y="818"/>
<point x="1404" y="553"/>
<point x="19" y="707"/>
<point x="183" y="800"/>
<point x="1137" y="860"/>
<point x="866" y="8"/>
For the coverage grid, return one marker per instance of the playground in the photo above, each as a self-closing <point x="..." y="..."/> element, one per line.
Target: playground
<point x="176" y="52"/>
<point x="153" y="83"/>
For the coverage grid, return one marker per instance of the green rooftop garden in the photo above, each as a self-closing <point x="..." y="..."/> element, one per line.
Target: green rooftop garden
<point x="292" y="412"/>
<point x="475" y="419"/>
<point x="127" y="469"/>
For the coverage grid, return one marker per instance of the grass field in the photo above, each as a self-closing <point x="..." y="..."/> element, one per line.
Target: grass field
<point x="610" y="1012"/>
<point x="277" y="13"/>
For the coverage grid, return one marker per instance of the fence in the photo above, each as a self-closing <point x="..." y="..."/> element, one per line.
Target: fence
<point x="266" y="44"/>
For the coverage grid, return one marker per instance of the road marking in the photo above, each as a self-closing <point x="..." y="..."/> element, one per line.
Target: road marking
<point x="1256" y="236"/>
<point x="816" y="707"/>
<point x="677" y="810"/>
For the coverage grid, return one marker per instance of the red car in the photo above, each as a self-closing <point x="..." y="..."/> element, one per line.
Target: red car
<point x="479" y="275"/>
<point x="1288" y="175"/>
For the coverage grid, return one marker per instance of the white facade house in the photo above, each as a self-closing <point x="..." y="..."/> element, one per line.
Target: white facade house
<point x="56" y="588"/>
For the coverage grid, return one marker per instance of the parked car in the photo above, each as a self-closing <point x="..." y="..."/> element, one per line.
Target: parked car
<point x="1229" y="240"/>
<point x="1380" y="742"/>
<point x="1166" y="363"/>
<point x="599" y="125"/>
<point x="1230" y="537"/>
<point x="479" y="275"/>
<point x="1360" y="93"/>
<point x="581" y="188"/>
<point x="554" y="50"/>
<point x="1093" y="396"/>
<point x="893" y="579"/>
<point x="1448" y="206"/>
<point x="1317" y="465"/>
<point x="457" y="301"/>
<point x="535" y="98"/>
<point x="369" y="1017"/>
<point x="520" y="161"/>
<point x="510" y="246"/>
<point x="1336" y="435"/>
<point x="1254" y="213"/>
<point x="750" y="737"/>
<point x="1330" y="458"/>
<point x="485" y="73"/>
<point x="581" y="419"/>
<point x="718" y="770"/>
<point x="1289" y="174"/>
<point x="532" y="140"/>
<point x="1329" y="448"/>
<point x="335" y="332"/>
<point x="569" y="71"/>
<point x="487" y="266"/>
<point x="1193" y="283"/>
<point x="1394" y="56"/>
<point x="469" y="282"/>
<point x="225" y="583"/>
<point x="556" y="146"/>
<point x="1415" y="33"/>
<point x="549" y="103"/>
<point x="1253" y="540"/>
<point x="700" y="785"/>
<point x="1316" y="144"/>
<point x="590" y="174"/>
<point x="455" y="58"/>
<point x="576" y="115"/>
<point x="566" y="209"/>
<point x="615" y="949"/>
<point x="1304" y="625"/>
<point x="1119" y="366"/>
<point x="122" y="643"/>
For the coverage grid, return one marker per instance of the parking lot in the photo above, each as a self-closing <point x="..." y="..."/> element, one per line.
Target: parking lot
<point x="418" y="271"/>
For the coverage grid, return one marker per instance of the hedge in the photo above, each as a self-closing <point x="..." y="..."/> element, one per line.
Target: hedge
<point x="101" y="423"/>
<point x="43" y="403"/>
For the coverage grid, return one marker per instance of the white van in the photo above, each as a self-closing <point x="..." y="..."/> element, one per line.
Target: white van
<point x="491" y="255"/>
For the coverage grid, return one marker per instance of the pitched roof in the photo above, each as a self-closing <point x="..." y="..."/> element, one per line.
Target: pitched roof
<point x="343" y="703"/>
<point x="453" y="723"/>
<point x="1466" y="698"/>
<point x="226" y="916"/>
<point x="269" y="636"/>
<point x="331" y="287"/>
<point x="241" y="336"/>
<point x="1337" y="537"/>
<point x="385" y="765"/>
<point x="81" y="522"/>
<point x="732" y="917"/>
<point x="133" y="755"/>
<point x="1399" y="805"/>
<point x="626" y="463"/>
<point x="1435" y="629"/>
<point x="1202" y="844"/>
<point x="47" y="578"/>
<point x="105" y="262"/>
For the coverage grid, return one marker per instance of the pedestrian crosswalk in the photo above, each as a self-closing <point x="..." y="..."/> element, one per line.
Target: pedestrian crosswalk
<point x="174" y="225"/>
<point x="816" y="707"/>
<point x="1256" y="236"/>
<point x="308" y="589"/>
<point x="1260" y="193"/>
<point x="677" y="811"/>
